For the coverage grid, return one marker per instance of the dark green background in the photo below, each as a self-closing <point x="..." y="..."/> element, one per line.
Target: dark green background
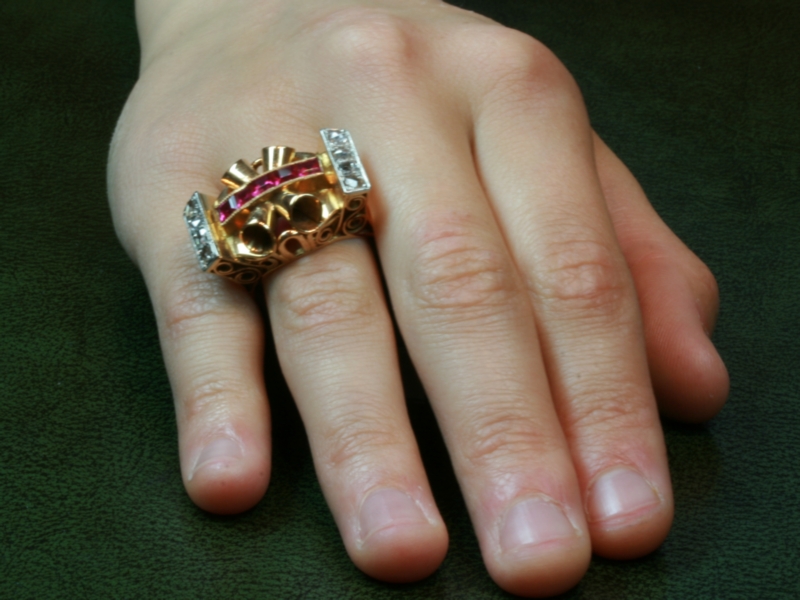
<point x="700" y="99"/>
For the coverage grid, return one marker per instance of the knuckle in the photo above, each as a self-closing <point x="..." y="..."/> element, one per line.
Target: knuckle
<point x="177" y="153"/>
<point x="600" y="412"/>
<point x="502" y="432"/>
<point x="163" y="141"/>
<point x="359" y="435"/>
<point x="323" y="294"/>
<point x="584" y="275"/>
<point x="454" y="270"/>
<point x="151" y="157"/>
<point x="367" y="45"/>
<point x="194" y="301"/>
<point x="515" y="65"/>
<point x="211" y="395"/>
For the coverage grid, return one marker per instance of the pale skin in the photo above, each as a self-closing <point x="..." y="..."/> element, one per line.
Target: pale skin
<point x="548" y="310"/>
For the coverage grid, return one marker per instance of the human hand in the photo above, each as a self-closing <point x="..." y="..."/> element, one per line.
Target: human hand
<point x="513" y="243"/>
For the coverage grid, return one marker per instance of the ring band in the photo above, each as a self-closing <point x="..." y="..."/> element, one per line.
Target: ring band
<point x="280" y="207"/>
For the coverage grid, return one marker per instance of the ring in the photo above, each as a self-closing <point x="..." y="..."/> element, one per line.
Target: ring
<point x="280" y="207"/>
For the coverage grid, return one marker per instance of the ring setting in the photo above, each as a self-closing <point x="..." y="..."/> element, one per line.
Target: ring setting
<point x="279" y="208"/>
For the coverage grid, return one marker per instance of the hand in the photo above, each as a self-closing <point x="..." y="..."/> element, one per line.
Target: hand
<point x="536" y="289"/>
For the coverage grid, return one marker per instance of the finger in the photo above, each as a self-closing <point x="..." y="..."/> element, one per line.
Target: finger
<point x="534" y="153"/>
<point x="210" y="330"/>
<point x="677" y="294"/>
<point x="335" y="341"/>
<point x="469" y="328"/>
<point x="470" y="331"/>
<point x="212" y="341"/>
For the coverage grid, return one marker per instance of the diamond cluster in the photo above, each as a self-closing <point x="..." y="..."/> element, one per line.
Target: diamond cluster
<point x="345" y="160"/>
<point x="200" y="231"/>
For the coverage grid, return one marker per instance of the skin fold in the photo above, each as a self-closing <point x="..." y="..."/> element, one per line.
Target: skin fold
<point x="548" y="310"/>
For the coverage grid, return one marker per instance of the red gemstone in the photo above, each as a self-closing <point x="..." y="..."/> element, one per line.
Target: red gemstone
<point x="255" y="190"/>
<point x="226" y="209"/>
<point x="265" y="183"/>
<point x="281" y="225"/>
<point x="269" y="181"/>
<point x="309" y="167"/>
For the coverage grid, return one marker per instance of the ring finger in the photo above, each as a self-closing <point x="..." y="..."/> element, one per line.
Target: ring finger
<point x="535" y="155"/>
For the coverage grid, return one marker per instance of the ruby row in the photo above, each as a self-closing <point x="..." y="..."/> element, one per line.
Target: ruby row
<point x="266" y="182"/>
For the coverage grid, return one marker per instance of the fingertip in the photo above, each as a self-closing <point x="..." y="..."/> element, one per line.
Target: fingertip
<point x="227" y="478"/>
<point x="228" y="488"/>
<point x="689" y="377"/>
<point x="403" y="553"/>
<point x="628" y="516"/>
<point x="632" y="540"/>
<point x="546" y="570"/>
<point x="540" y="551"/>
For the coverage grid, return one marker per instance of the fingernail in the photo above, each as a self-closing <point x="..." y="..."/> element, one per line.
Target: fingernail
<point x="388" y="508"/>
<point x="221" y="451"/>
<point x="532" y="522"/>
<point x="620" y="492"/>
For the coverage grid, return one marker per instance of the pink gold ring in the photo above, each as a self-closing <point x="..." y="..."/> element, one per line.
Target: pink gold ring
<point x="280" y="207"/>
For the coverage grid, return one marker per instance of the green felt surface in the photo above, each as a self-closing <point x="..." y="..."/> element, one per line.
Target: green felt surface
<point x="700" y="98"/>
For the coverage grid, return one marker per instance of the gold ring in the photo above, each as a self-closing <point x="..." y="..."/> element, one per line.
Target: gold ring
<point x="280" y="207"/>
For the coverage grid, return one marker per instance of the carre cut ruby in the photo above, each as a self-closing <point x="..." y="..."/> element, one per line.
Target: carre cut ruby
<point x="304" y="169"/>
<point x="266" y="182"/>
<point x="225" y="210"/>
<point x="257" y="187"/>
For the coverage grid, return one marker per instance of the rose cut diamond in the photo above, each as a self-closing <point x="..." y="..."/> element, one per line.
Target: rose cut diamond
<point x="346" y="162"/>
<point x="200" y="232"/>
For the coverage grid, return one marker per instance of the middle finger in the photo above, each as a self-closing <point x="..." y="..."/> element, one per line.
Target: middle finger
<point x="470" y="330"/>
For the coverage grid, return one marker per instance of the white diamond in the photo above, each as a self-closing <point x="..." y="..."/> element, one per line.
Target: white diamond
<point x="206" y="256"/>
<point x="350" y="183"/>
<point x="345" y="159"/>
<point x="199" y="232"/>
